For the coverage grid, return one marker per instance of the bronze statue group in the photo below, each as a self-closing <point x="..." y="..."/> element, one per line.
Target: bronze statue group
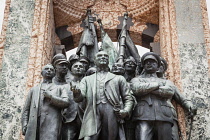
<point x="103" y="94"/>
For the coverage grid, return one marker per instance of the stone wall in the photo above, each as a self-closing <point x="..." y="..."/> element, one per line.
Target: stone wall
<point x="27" y="44"/>
<point x="170" y="51"/>
<point x="194" y="63"/>
<point x="14" y="66"/>
<point x="43" y="39"/>
<point x="4" y="29"/>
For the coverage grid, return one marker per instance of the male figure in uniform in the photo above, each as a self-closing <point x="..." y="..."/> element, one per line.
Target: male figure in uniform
<point x="108" y="102"/>
<point x="41" y="118"/>
<point x="71" y="121"/>
<point x="153" y="114"/>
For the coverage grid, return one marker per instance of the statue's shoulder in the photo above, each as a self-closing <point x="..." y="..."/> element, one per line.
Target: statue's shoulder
<point x="109" y="74"/>
<point x="137" y="79"/>
<point x="35" y="88"/>
<point x="64" y="86"/>
<point x="170" y="82"/>
<point x="90" y="77"/>
<point x="114" y="76"/>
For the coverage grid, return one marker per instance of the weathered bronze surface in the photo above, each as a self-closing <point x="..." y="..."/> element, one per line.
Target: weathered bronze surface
<point x="41" y="118"/>
<point x="86" y="101"/>
<point x="108" y="102"/>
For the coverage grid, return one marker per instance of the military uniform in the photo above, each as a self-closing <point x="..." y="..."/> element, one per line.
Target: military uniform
<point x="152" y="111"/>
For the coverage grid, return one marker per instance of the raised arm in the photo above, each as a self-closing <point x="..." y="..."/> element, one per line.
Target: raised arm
<point x="79" y="92"/>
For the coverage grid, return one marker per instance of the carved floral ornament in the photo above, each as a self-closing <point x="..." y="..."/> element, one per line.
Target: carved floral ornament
<point x="71" y="12"/>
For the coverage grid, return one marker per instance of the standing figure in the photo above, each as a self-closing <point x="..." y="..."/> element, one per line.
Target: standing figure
<point x="152" y="114"/>
<point x="71" y="120"/>
<point x="179" y="98"/>
<point x="108" y="102"/>
<point x="41" y="118"/>
<point x="130" y="66"/>
<point x="72" y="116"/>
<point x="88" y="45"/>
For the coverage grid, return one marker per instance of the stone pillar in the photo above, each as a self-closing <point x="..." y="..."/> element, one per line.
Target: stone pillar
<point x="194" y="63"/>
<point x="170" y="51"/>
<point x="26" y="46"/>
<point x="14" y="66"/>
<point x="4" y="29"/>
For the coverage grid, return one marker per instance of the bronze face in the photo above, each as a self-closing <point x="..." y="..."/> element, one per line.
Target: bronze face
<point x="61" y="68"/>
<point x="150" y="65"/>
<point x="118" y="69"/>
<point x="48" y="71"/>
<point x="78" y="69"/>
<point x="130" y="66"/>
<point x="102" y="59"/>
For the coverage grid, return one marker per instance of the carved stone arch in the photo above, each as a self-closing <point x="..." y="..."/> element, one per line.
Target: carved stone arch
<point x="71" y="13"/>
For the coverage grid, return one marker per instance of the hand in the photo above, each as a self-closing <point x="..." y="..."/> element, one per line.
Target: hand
<point x="74" y="89"/>
<point x="121" y="114"/>
<point x="192" y="111"/>
<point x="24" y="130"/>
<point x="46" y="94"/>
<point x="161" y="84"/>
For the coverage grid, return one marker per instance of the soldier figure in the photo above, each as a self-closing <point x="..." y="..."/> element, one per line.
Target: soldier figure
<point x="153" y="114"/>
